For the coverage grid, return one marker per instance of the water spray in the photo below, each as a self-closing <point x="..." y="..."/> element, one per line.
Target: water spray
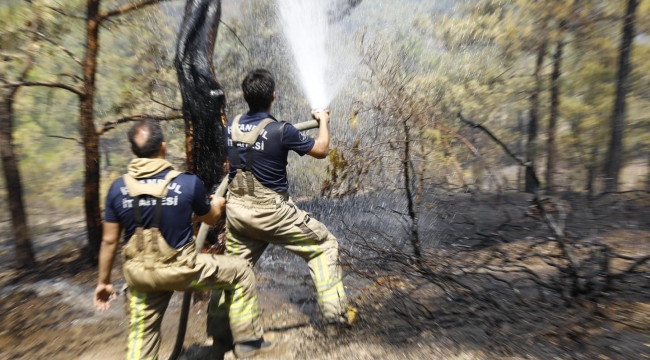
<point x="306" y="27"/>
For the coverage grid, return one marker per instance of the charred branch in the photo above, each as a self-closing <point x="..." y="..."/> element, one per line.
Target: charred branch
<point x="124" y="9"/>
<point x="78" y="141"/>
<point x="70" y="54"/>
<point x="47" y="84"/>
<point x="65" y="13"/>
<point x="110" y="125"/>
<point x="239" y="40"/>
<point x="170" y="107"/>
<point x="505" y="148"/>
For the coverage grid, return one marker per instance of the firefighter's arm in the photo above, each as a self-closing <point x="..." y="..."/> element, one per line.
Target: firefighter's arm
<point x="217" y="207"/>
<point x="105" y="292"/>
<point x="322" y="144"/>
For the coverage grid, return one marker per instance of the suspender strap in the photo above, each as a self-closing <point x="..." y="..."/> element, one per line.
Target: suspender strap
<point x="236" y="160"/>
<point x="137" y="217"/>
<point x="157" y="214"/>
<point x="249" y="138"/>
<point x="137" y="212"/>
<point x="246" y="172"/>
<point x="240" y="178"/>
<point x="155" y="224"/>
<point x="249" y="158"/>
<point x="250" y="182"/>
<point x="157" y="192"/>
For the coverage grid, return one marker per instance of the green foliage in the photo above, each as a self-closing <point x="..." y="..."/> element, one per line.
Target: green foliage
<point x="442" y="57"/>
<point x="488" y="62"/>
<point x="134" y="66"/>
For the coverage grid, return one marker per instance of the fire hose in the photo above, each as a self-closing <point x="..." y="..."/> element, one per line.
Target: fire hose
<point x="199" y="242"/>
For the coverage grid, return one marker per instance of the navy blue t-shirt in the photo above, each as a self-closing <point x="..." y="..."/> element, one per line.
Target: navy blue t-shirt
<point x="185" y="195"/>
<point x="270" y="151"/>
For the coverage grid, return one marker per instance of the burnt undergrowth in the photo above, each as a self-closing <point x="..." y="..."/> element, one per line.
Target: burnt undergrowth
<point x="507" y="284"/>
<point x="506" y="272"/>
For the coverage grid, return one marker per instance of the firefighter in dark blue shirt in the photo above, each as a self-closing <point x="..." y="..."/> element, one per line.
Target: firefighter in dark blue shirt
<point x="153" y="204"/>
<point x="259" y="210"/>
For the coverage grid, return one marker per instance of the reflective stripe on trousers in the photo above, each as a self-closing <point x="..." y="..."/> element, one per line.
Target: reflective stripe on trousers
<point x="214" y="272"/>
<point x="266" y="217"/>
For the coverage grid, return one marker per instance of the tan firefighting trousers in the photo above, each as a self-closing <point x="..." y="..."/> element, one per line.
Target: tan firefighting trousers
<point x="154" y="270"/>
<point x="268" y="217"/>
<point x="210" y="272"/>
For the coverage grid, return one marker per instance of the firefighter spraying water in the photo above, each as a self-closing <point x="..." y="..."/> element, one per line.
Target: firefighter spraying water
<point x="260" y="211"/>
<point x="158" y="261"/>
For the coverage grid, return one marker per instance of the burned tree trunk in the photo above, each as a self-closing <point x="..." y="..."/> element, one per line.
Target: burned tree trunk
<point x="414" y="235"/>
<point x="23" y="245"/>
<point x="615" y="150"/>
<point x="531" y="150"/>
<point x="205" y="118"/>
<point x="88" y="130"/>
<point x="554" y="115"/>
<point x="592" y="170"/>
<point x="203" y="98"/>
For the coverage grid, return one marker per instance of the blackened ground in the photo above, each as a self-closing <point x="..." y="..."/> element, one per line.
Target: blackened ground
<point x="48" y="313"/>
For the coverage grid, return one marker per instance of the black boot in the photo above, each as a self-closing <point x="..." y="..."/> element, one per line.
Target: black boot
<point x="219" y="349"/>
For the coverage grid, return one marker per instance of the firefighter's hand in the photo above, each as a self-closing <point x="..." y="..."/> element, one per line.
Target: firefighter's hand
<point x="104" y="294"/>
<point x="321" y="115"/>
<point x="218" y="202"/>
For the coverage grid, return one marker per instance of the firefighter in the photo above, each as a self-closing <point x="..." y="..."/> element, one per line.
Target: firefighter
<point x="153" y="204"/>
<point x="259" y="210"/>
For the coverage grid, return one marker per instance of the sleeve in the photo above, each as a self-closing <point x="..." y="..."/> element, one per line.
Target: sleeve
<point x="110" y="213"/>
<point x="200" y="201"/>
<point x="295" y="140"/>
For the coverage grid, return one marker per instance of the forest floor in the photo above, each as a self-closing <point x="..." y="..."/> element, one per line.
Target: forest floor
<point x="47" y="313"/>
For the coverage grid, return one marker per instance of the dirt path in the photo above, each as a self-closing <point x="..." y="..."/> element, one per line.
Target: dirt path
<point x="44" y="317"/>
<point x="54" y="319"/>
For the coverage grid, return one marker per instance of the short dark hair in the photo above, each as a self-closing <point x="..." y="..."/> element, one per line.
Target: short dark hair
<point x="152" y="145"/>
<point x="258" y="87"/>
